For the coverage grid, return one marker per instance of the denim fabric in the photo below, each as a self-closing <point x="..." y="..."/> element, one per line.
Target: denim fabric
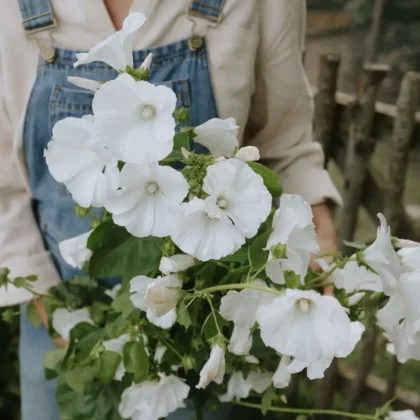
<point x="52" y="99"/>
<point x="210" y="9"/>
<point x="36" y="14"/>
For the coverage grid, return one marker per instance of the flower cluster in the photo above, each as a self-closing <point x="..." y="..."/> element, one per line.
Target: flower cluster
<point x="217" y="296"/>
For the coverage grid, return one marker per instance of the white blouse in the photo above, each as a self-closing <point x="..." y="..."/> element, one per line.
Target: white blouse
<point x="257" y="75"/>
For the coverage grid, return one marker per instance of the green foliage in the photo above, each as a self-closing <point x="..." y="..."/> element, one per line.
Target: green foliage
<point x="136" y="360"/>
<point x="270" y="178"/>
<point x="117" y="253"/>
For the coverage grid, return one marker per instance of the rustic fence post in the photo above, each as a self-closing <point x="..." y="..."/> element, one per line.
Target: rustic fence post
<point x="367" y="356"/>
<point x="325" y="106"/>
<point x="360" y="147"/>
<point x="404" y="124"/>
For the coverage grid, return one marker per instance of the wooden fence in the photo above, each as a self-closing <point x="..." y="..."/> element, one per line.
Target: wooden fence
<point x="349" y="129"/>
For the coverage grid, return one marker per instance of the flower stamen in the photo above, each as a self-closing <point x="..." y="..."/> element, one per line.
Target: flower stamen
<point x="152" y="187"/>
<point x="148" y="112"/>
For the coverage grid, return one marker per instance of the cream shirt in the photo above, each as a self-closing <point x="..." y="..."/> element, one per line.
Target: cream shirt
<point x="258" y="78"/>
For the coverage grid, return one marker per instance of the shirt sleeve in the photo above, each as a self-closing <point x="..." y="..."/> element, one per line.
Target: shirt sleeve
<point x="280" y="122"/>
<point x="21" y="246"/>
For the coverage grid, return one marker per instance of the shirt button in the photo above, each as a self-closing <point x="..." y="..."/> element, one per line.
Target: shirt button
<point x="195" y="42"/>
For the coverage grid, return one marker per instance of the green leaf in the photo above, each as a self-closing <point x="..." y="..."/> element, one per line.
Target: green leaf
<point x="32" y="315"/>
<point x="122" y="302"/>
<point x="181" y="140"/>
<point x="258" y="256"/>
<point x="267" y="400"/>
<point x="270" y="178"/>
<point x="292" y="279"/>
<point x="52" y="360"/>
<point x="80" y="379"/>
<point x="31" y="278"/>
<point x="209" y="328"/>
<point x="240" y="256"/>
<point x="136" y="360"/>
<point x="183" y="317"/>
<point x="117" y="253"/>
<point x="21" y="282"/>
<point x="107" y="365"/>
<point x="117" y="327"/>
<point x="356" y="245"/>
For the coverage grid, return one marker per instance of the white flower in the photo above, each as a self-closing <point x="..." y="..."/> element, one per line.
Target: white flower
<point x="117" y="49"/>
<point x="240" y="193"/>
<point x="402" y="415"/>
<point x="239" y="387"/>
<point x="405" y="243"/>
<point x="152" y="400"/>
<point x="382" y="257"/>
<point x="220" y="137"/>
<point x="293" y="227"/>
<point x="83" y="83"/>
<point x="352" y="277"/>
<point x="309" y="327"/>
<point x="117" y="346"/>
<point x="63" y="321"/>
<point x="204" y="231"/>
<point x="162" y="296"/>
<point x="241" y="308"/>
<point x="75" y="251"/>
<point x="260" y="381"/>
<point x="403" y="305"/>
<point x="75" y="158"/>
<point x="214" y="368"/>
<point x="410" y="258"/>
<point x="402" y="345"/>
<point x="134" y="119"/>
<point x="112" y="293"/>
<point x="139" y="286"/>
<point x="248" y="154"/>
<point x="148" y="197"/>
<point x="175" y="264"/>
<point x="282" y="376"/>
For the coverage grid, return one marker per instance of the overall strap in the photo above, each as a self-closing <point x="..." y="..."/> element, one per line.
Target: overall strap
<point x="207" y="9"/>
<point x="37" y="16"/>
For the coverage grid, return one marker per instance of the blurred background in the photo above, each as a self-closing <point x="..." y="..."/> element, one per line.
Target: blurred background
<point x="342" y="35"/>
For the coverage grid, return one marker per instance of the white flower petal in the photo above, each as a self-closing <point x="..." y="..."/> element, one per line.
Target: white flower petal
<point x="112" y="293"/>
<point x="402" y="415"/>
<point x="135" y="119"/>
<point x="161" y="296"/>
<point x="220" y="137"/>
<point x="240" y="193"/>
<point x="75" y="251"/>
<point x="117" y="345"/>
<point x="117" y="49"/>
<point x="165" y="322"/>
<point x="63" y="321"/>
<point x="260" y="381"/>
<point x="148" y="197"/>
<point x="83" y="83"/>
<point x="176" y="263"/>
<point x="214" y="368"/>
<point x="205" y="232"/>
<point x="241" y="341"/>
<point x="282" y="376"/>
<point x="138" y="286"/>
<point x="248" y="154"/>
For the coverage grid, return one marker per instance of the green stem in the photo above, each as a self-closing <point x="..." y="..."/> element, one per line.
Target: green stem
<point x="170" y="347"/>
<point x="214" y="315"/>
<point x="259" y="271"/>
<point x="224" y="287"/>
<point x="308" y="412"/>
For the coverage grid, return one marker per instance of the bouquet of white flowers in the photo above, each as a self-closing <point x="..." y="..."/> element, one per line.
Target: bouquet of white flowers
<point x="217" y="301"/>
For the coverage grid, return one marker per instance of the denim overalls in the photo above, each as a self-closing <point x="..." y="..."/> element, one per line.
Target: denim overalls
<point x="183" y="66"/>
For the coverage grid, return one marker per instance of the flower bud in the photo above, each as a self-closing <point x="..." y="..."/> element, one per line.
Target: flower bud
<point x="356" y="298"/>
<point x="147" y="63"/>
<point x="248" y="154"/>
<point x="162" y="295"/>
<point x="279" y="251"/>
<point x="83" y="83"/>
<point x="188" y="363"/>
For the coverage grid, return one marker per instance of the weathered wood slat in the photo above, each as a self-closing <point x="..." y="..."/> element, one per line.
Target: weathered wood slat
<point x="360" y="147"/>
<point x="325" y="106"/>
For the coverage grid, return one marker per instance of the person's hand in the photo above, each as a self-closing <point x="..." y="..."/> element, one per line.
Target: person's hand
<point x="327" y="237"/>
<point x="40" y="309"/>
